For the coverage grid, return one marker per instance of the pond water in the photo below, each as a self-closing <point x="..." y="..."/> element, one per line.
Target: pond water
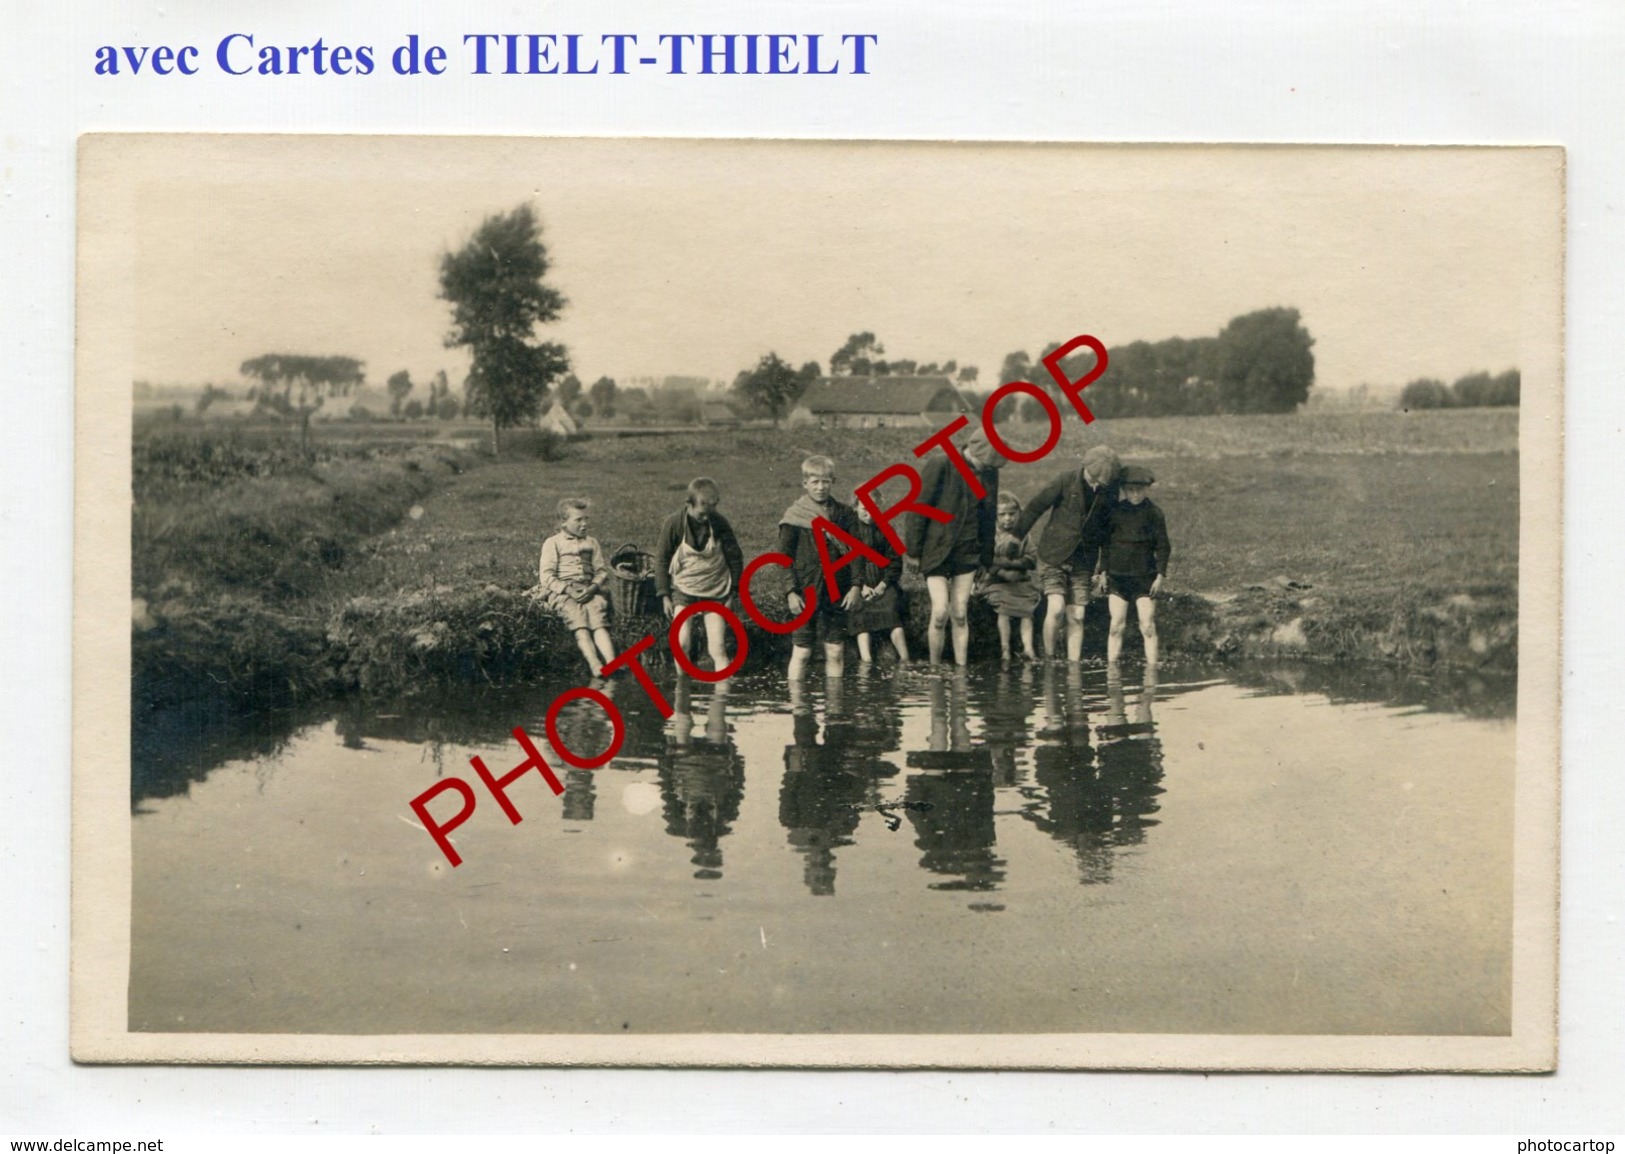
<point x="1036" y="849"/>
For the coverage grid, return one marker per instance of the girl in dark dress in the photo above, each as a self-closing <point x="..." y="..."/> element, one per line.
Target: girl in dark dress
<point x="1010" y="588"/>
<point x="882" y="608"/>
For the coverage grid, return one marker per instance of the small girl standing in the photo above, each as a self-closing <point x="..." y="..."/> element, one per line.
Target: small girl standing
<point x="881" y="609"/>
<point x="1010" y="587"/>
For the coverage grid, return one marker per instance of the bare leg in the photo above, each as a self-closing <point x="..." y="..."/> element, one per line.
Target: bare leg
<point x="936" y="631"/>
<point x="1027" y="639"/>
<point x="1004" y="637"/>
<point x="584" y="643"/>
<point x="959" y="615"/>
<point x="606" y="647"/>
<point x="865" y="649"/>
<point x="799" y="656"/>
<point x="899" y="642"/>
<point x="1147" y="609"/>
<point x="1114" y="639"/>
<point x="685" y="635"/>
<point x="834" y="658"/>
<point x="716" y="640"/>
<point x="1054" y="616"/>
<point x="1074" y="633"/>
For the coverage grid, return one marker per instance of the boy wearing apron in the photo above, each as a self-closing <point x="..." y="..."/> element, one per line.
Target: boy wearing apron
<point x="698" y="559"/>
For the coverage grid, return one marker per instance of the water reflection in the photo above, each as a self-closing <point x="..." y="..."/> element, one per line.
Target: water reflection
<point x="702" y="777"/>
<point x="851" y="841"/>
<point x="1445" y="690"/>
<point x="1005" y="703"/>
<point x="950" y="802"/>
<point x="1095" y="798"/>
<point x="822" y="795"/>
<point x="1073" y="752"/>
<point x="1129" y="762"/>
<point x="580" y="795"/>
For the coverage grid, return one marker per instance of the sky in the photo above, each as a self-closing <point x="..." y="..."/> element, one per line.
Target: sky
<point x="698" y="257"/>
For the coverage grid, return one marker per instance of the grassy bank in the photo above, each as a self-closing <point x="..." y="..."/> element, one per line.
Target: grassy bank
<point x="1380" y="536"/>
<point x="239" y="546"/>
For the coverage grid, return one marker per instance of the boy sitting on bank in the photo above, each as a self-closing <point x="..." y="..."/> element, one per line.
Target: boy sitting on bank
<point x="574" y="572"/>
<point x="1133" y="562"/>
<point x="796" y="541"/>
<point x="698" y="559"/>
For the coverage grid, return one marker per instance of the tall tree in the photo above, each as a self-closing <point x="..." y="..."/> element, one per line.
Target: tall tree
<point x="1426" y="393"/>
<point x="603" y="396"/>
<point x="399" y="386"/>
<point x="770" y="387"/>
<point x="968" y="375"/>
<point x="1265" y="365"/>
<point x="859" y="357"/>
<point x="1018" y="366"/>
<point x="495" y="286"/>
<point x="1506" y="388"/>
<point x="299" y="384"/>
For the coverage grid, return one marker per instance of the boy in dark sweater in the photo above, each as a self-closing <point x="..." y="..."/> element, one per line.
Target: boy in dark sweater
<point x="797" y="541"/>
<point x="1134" y="562"/>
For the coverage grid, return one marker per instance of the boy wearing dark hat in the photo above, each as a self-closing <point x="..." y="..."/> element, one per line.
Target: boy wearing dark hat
<point x="1134" y="561"/>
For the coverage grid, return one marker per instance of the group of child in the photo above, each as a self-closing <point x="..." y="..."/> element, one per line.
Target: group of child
<point x="1104" y="534"/>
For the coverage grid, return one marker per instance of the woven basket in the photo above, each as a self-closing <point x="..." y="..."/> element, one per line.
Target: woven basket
<point x="632" y="582"/>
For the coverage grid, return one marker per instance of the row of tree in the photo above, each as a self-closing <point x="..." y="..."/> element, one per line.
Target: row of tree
<point x="771" y="387"/>
<point x="862" y="356"/>
<point x="1259" y="363"/>
<point x="1472" y="391"/>
<point x="496" y="286"/>
<point x="296" y="384"/>
<point x="440" y="404"/>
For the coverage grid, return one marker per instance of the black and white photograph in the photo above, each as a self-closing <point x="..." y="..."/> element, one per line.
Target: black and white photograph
<point x="817" y="603"/>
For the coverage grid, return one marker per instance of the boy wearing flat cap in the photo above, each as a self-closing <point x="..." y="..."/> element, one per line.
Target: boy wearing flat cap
<point x="1134" y="561"/>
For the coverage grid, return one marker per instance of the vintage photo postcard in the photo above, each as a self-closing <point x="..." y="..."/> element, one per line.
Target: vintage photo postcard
<point x="817" y="603"/>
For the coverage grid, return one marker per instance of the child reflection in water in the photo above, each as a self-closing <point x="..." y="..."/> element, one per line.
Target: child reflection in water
<point x="821" y="798"/>
<point x="580" y="795"/>
<point x="1005" y="703"/>
<point x="1130" y="760"/>
<point x="583" y="726"/>
<point x="702" y="778"/>
<point x="950" y="804"/>
<point x="1095" y="799"/>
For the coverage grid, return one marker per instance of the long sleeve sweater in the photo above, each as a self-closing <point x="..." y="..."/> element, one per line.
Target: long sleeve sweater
<point x="1136" y="542"/>
<point x="797" y="543"/>
<point x="680" y="525"/>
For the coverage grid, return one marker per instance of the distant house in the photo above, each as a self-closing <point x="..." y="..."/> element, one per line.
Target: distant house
<point x="877" y="403"/>
<point x="560" y="421"/>
<point x="716" y="414"/>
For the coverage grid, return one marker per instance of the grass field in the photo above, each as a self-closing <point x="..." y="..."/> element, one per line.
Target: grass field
<point x="1381" y="535"/>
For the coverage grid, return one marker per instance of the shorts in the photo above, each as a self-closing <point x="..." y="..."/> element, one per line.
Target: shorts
<point x="966" y="557"/>
<point x="833" y="618"/>
<point x="594" y="614"/>
<point x="680" y="600"/>
<point x="1129" y="588"/>
<point x="1065" y="581"/>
